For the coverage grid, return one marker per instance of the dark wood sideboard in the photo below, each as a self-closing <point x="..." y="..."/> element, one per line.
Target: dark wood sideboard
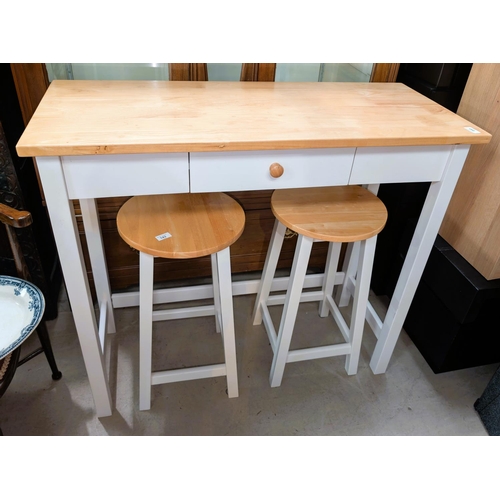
<point x="19" y="188"/>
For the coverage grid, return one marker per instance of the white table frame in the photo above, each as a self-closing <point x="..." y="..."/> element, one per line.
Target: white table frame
<point x="369" y="169"/>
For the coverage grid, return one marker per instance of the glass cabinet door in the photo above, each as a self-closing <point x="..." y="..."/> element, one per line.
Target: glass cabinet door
<point x="284" y="72"/>
<point x="107" y="71"/>
<point x="224" y="72"/>
<point x="134" y="71"/>
<point x="323" y="72"/>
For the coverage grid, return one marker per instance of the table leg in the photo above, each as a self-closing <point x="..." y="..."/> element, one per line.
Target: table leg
<point x="424" y="237"/>
<point x="98" y="258"/>
<point x="67" y="239"/>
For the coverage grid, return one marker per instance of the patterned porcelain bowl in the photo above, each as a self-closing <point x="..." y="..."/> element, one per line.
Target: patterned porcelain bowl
<point x="21" y="309"/>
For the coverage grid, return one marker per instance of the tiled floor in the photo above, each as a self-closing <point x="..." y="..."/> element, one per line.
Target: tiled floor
<point x="316" y="397"/>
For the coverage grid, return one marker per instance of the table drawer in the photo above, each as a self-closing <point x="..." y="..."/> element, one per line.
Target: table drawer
<point x="249" y="170"/>
<point x="126" y="175"/>
<point x="399" y="164"/>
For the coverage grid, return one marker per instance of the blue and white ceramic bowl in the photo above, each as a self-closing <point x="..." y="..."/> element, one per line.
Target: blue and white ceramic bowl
<point x="21" y="309"/>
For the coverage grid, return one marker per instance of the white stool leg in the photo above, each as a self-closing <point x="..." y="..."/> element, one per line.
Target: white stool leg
<point x="146" y="266"/>
<point x="351" y="262"/>
<point x="215" y="282"/>
<point x="270" y="265"/>
<point x="349" y="268"/>
<point x="332" y="261"/>
<point x="227" y="319"/>
<point x="367" y="251"/>
<point x="292" y="300"/>
<point x="97" y="256"/>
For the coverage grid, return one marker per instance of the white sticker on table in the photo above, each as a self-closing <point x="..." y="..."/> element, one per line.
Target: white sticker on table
<point x="473" y="130"/>
<point x="163" y="236"/>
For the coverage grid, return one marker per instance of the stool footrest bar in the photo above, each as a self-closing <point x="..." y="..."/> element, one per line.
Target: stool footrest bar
<point x="184" y="312"/>
<point x="372" y="318"/>
<point x="195" y="292"/>
<point x="268" y="324"/>
<point x="318" y="352"/>
<point x="181" y="374"/>
<point x="275" y="300"/>
<point x="337" y="316"/>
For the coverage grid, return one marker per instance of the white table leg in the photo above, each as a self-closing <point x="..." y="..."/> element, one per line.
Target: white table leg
<point x="67" y="239"/>
<point x="98" y="258"/>
<point x="424" y="237"/>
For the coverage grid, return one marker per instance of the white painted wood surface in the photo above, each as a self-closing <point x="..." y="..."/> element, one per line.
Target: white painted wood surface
<point x="125" y="175"/>
<point x="227" y="320"/>
<point x="97" y="257"/>
<point x="367" y="168"/>
<point x="421" y="244"/>
<point x="365" y="264"/>
<point x="62" y="217"/>
<point x="399" y="164"/>
<point x="361" y="264"/>
<point x="272" y="256"/>
<point x="146" y="267"/>
<point x="222" y="309"/>
<point x="249" y="170"/>
<point x="289" y="314"/>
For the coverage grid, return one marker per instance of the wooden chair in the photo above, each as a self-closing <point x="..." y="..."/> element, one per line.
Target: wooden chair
<point x="183" y="226"/>
<point x="13" y="218"/>
<point x="334" y="214"/>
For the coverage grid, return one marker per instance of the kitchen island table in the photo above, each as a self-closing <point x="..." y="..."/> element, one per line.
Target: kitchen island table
<point x="95" y="139"/>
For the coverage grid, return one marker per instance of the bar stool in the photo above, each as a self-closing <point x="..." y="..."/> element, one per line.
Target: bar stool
<point x="183" y="226"/>
<point x="336" y="214"/>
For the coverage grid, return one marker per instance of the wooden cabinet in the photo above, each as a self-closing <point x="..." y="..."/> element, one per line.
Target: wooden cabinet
<point x="472" y="222"/>
<point x="19" y="188"/>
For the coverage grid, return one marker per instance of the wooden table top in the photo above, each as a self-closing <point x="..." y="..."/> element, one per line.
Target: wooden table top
<point x="119" y="117"/>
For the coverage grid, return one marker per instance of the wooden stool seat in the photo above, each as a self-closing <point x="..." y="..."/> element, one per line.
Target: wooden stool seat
<point x="183" y="226"/>
<point x="342" y="214"/>
<point x="197" y="224"/>
<point x="339" y="213"/>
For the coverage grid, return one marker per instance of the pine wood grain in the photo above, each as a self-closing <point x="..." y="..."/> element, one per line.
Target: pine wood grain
<point x="112" y="117"/>
<point x="339" y="213"/>
<point x="198" y="224"/>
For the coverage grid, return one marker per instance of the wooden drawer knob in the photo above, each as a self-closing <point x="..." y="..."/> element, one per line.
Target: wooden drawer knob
<point x="276" y="170"/>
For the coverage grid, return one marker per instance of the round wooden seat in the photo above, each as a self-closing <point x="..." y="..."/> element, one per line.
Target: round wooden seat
<point x="339" y="213"/>
<point x="197" y="224"/>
